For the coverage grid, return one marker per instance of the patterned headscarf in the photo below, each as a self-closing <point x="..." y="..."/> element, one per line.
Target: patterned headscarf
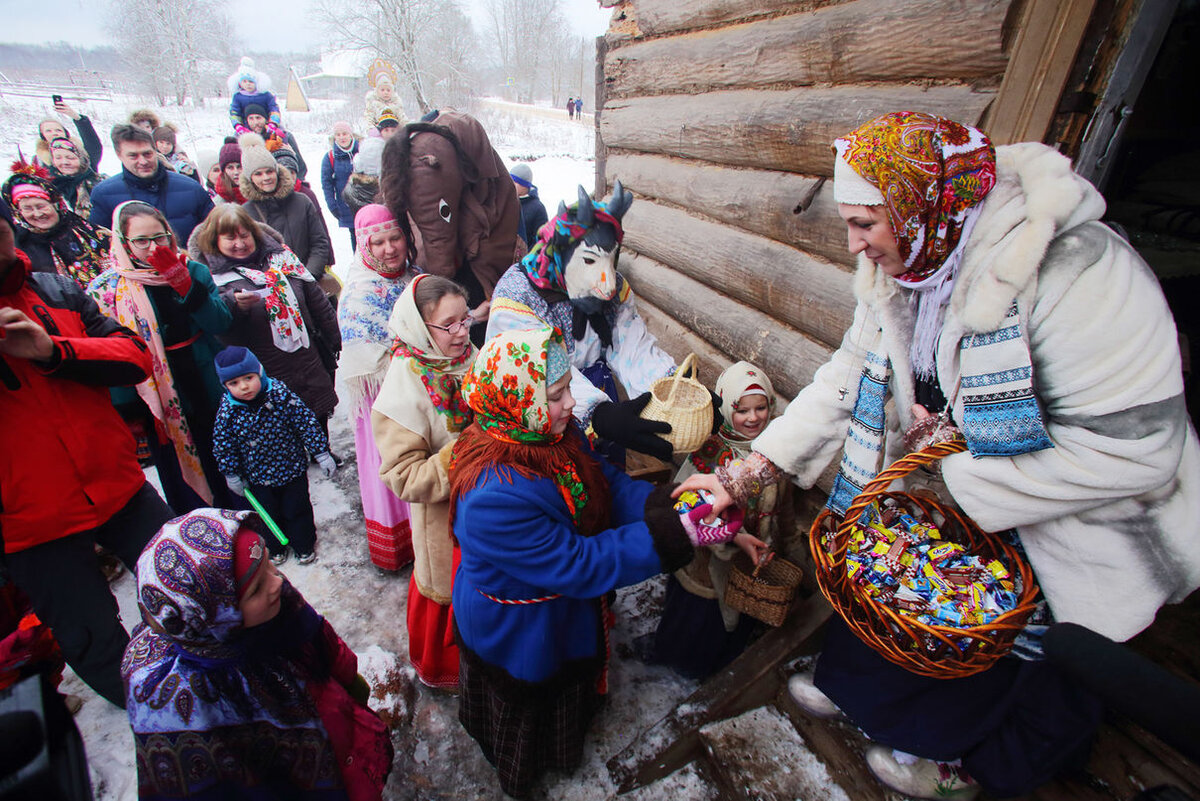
<point x="506" y="389"/>
<point x="543" y="263"/>
<point x="934" y="174"/>
<point x="375" y="218"/>
<point x="78" y="248"/>
<point x="738" y="380"/>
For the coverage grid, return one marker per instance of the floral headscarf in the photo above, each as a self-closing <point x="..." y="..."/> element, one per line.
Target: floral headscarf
<point x="506" y="389"/>
<point x="120" y="292"/>
<point x="543" y="263"/>
<point x="738" y="380"/>
<point x="78" y="248"/>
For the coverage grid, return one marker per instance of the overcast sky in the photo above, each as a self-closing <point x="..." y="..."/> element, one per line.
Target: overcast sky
<point x="261" y="24"/>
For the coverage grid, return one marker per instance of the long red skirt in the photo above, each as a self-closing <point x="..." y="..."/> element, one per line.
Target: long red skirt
<point x="431" y="647"/>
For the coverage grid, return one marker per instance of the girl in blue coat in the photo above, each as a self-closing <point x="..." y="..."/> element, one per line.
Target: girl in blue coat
<point x="335" y="172"/>
<point x="546" y="530"/>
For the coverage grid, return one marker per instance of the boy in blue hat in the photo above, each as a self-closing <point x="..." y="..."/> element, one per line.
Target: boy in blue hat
<point x="261" y="440"/>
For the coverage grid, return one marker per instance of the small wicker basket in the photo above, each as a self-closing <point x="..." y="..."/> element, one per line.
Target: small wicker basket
<point x="928" y="650"/>
<point x="764" y="591"/>
<point x="685" y="404"/>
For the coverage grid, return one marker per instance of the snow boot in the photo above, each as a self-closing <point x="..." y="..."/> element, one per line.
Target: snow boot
<point x="810" y="699"/>
<point x="920" y="778"/>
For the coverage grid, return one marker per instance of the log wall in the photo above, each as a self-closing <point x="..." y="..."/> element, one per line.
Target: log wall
<point x="719" y="115"/>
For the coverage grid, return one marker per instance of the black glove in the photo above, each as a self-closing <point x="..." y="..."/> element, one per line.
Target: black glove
<point x="718" y="418"/>
<point x="359" y="690"/>
<point x="619" y="423"/>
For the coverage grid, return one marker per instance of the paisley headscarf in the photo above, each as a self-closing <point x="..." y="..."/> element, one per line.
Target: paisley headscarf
<point x="78" y="249"/>
<point x="506" y="389"/>
<point x="934" y="174"/>
<point x="120" y="292"/>
<point x="417" y="361"/>
<point x="543" y="263"/>
<point x="200" y="691"/>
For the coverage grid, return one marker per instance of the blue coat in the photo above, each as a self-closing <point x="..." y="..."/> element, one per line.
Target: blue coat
<point x="264" y="443"/>
<point x="533" y="217"/>
<point x="335" y="172"/>
<point x="239" y="101"/>
<point x="518" y="543"/>
<point x="184" y="202"/>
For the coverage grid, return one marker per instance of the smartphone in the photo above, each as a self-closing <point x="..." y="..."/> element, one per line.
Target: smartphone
<point x="56" y="98"/>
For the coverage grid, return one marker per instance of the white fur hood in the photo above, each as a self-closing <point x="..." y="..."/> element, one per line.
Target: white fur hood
<point x="1037" y="196"/>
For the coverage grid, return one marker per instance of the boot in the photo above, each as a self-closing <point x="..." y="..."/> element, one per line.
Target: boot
<point x="810" y="699"/>
<point x="923" y="778"/>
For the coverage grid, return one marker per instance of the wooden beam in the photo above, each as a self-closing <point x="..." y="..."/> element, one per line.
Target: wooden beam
<point x="783" y="283"/>
<point x="1048" y="37"/>
<point x="789" y="357"/>
<point x="789" y="130"/>
<point x="797" y="210"/>
<point x="656" y="17"/>
<point x="857" y="42"/>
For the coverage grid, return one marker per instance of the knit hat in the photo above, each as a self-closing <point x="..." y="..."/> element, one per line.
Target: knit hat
<point x="164" y="134"/>
<point x="558" y="363"/>
<point x="21" y="190"/>
<point x="230" y="152"/>
<point x="341" y="126"/>
<point x="370" y="157"/>
<point x="254" y="108"/>
<point x="522" y="174"/>
<point x="851" y="188"/>
<point x="387" y="119"/>
<point x="237" y="361"/>
<point x="248" y="75"/>
<point x="255" y="155"/>
<point x="286" y="157"/>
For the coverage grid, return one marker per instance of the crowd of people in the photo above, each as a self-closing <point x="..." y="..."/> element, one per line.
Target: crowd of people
<point x="177" y="315"/>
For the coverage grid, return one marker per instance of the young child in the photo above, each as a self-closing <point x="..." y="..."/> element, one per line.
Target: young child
<point x="236" y="687"/>
<point x="250" y="93"/>
<point x="165" y="143"/>
<point x="259" y="440"/>
<point x="698" y="634"/>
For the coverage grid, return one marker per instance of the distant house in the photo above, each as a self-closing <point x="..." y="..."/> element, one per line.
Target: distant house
<point x="342" y="72"/>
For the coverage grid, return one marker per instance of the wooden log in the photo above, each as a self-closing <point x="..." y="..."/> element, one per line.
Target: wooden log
<point x="789" y="357"/>
<point x="789" y="130"/>
<point x="748" y="681"/>
<point x="657" y="17"/>
<point x="782" y="282"/>
<point x="797" y="210"/>
<point x="860" y="42"/>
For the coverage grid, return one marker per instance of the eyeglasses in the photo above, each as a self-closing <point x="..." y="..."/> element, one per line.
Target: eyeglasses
<point x="144" y="242"/>
<point x="454" y="328"/>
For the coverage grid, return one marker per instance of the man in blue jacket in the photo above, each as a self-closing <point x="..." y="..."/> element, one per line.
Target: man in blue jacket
<point x="144" y="176"/>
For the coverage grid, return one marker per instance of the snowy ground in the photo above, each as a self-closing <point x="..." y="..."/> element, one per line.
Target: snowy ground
<point x="435" y="759"/>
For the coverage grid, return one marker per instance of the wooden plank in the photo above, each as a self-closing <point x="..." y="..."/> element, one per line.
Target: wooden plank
<point x="747" y="682"/>
<point x="789" y="357"/>
<point x="789" y="130"/>
<point x="797" y="210"/>
<point x="1167" y="756"/>
<point x="1127" y="768"/>
<point x="859" y="42"/>
<point x="656" y="17"/>
<point x="1047" y="39"/>
<point x="786" y="284"/>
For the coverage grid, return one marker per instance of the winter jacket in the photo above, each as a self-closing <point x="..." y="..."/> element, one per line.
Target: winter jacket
<point x="518" y="543"/>
<point x="303" y="188"/>
<point x="335" y="172"/>
<point x="360" y="190"/>
<point x="184" y="166"/>
<point x="1108" y="515"/>
<point x="533" y="217"/>
<point x="87" y="137"/>
<point x="239" y="101"/>
<point x="264" y="441"/>
<point x="182" y="200"/>
<point x="301" y="370"/>
<point x="634" y="355"/>
<point x="293" y="215"/>
<point x="67" y="460"/>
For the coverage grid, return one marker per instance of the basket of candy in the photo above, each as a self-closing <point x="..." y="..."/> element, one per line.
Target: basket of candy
<point x="920" y="582"/>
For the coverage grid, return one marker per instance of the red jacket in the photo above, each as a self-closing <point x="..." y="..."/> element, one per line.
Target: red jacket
<point x="67" y="460"/>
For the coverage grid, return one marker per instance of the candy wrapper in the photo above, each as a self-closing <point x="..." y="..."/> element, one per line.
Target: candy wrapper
<point x="690" y="499"/>
<point x="905" y="563"/>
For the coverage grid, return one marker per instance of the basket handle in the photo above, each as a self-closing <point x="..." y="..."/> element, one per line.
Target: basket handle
<point x="897" y="469"/>
<point x="763" y="562"/>
<point x="689" y="361"/>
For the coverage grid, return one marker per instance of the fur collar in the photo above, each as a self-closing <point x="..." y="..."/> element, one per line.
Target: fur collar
<point x="284" y="187"/>
<point x="1036" y="197"/>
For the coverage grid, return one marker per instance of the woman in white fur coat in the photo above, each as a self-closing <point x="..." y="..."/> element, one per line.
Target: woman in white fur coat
<point x="1052" y="342"/>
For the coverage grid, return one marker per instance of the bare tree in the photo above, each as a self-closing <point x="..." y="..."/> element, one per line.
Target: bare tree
<point x="429" y="41"/>
<point x="529" y="35"/>
<point x="163" y="42"/>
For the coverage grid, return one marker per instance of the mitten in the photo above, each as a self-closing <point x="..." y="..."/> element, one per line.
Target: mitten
<point x="359" y="689"/>
<point x="173" y="267"/>
<point x="275" y="129"/>
<point x="701" y="533"/>
<point x="236" y="485"/>
<point x="325" y="460"/>
<point x="718" y="418"/>
<point x="620" y="423"/>
<point x="241" y="129"/>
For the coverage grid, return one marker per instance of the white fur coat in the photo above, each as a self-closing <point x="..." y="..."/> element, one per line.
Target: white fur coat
<point x="1110" y="516"/>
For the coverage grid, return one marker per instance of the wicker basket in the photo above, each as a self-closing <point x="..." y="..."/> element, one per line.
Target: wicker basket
<point x="923" y="649"/>
<point x="685" y="404"/>
<point x="764" y="591"/>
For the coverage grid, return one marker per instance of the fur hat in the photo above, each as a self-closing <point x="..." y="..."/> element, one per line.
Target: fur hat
<point x="255" y="155"/>
<point x="230" y="152"/>
<point x="254" y="108"/>
<point x="370" y="157"/>
<point x="236" y="361"/>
